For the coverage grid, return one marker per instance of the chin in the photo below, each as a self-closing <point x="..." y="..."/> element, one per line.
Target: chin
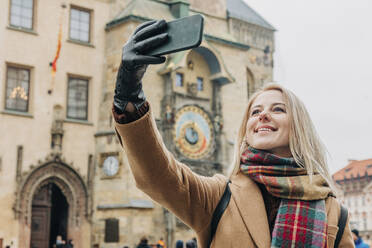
<point x="279" y="151"/>
<point x="262" y="147"/>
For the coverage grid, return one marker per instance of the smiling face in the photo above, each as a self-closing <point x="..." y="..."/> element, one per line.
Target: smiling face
<point x="268" y="124"/>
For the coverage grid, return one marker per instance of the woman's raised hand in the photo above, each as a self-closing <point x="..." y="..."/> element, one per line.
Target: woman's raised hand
<point x="128" y="88"/>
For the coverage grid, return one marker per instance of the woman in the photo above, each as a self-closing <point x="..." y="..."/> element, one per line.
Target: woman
<point x="279" y="183"/>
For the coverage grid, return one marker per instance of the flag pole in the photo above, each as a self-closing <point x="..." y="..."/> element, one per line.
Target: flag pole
<point x="56" y="57"/>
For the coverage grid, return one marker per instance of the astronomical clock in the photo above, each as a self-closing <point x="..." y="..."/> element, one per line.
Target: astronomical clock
<point x="193" y="132"/>
<point x="192" y="120"/>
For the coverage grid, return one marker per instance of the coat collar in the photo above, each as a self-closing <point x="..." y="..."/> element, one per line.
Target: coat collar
<point x="251" y="206"/>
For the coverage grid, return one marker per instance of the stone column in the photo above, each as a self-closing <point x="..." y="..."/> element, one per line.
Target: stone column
<point x="167" y="122"/>
<point x="217" y="120"/>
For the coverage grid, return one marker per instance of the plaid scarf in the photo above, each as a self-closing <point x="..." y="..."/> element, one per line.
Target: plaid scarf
<point x="301" y="220"/>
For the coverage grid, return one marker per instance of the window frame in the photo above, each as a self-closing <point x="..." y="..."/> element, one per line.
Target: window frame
<point x="30" y="75"/>
<point x="88" y="80"/>
<point x="82" y="9"/>
<point x="182" y="81"/>
<point x="202" y="84"/>
<point x="22" y="27"/>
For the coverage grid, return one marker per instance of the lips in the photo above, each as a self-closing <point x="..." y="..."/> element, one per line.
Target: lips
<point x="265" y="128"/>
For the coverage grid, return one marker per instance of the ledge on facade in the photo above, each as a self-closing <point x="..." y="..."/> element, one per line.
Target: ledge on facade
<point x="25" y="30"/>
<point x="17" y="113"/>
<point x="189" y="96"/>
<point x="221" y="79"/>
<point x="87" y="44"/>
<point x="227" y="42"/>
<point x="83" y="122"/>
<point x="137" y="204"/>
<point x="104" y="133"/>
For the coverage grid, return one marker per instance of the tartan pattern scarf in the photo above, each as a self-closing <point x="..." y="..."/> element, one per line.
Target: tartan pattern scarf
<point x="301" y="220"/>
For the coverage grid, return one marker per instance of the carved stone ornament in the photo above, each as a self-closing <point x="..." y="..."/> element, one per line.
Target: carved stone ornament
<point x="192" y="88"/>
<point x="253" y="35"/>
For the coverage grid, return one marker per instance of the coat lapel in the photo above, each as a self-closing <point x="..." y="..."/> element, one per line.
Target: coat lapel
<point x="251" y="206"/>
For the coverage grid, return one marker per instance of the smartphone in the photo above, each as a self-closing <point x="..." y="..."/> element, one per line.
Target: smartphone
<point x="184" y="33"/>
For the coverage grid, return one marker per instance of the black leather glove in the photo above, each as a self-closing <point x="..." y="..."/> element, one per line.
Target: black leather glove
<point x="147" y="36"/>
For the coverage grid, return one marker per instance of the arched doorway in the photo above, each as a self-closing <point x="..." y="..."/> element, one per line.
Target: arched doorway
<point x="53" y="181"/>
<point x="49" y="216"/>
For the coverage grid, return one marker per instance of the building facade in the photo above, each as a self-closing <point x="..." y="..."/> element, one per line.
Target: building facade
<point x="62" y="170"/>
<point x="355" y="184"/>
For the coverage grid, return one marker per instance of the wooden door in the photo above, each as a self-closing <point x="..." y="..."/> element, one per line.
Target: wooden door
<point x="40" y="220"/>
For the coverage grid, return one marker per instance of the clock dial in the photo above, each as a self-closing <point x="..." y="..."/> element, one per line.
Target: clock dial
<point x="193" y="132"/>
<point x="191" y="135"/>
<point x="110" y="166"/>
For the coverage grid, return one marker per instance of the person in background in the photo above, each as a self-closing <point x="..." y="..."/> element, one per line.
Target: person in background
<point x="70" y="244"/>
<point x="161" y="243"/>
<point x="179" y="244"/>
<point x="358" y="241"/>
<point x="190" y="244"/>
<point x="59" y="242"/>
<point x="195" y="241"/>
<point x="143" y="243"/>
<point x="279" y="171"/>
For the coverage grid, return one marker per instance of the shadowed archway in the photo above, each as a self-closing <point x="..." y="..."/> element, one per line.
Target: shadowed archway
<point x="49" y="216"/>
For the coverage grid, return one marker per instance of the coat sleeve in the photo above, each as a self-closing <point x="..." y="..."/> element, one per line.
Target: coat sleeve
<point x="189" y="196"/>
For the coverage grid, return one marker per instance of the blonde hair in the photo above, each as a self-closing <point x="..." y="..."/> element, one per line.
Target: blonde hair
<point x="306" y="147"/>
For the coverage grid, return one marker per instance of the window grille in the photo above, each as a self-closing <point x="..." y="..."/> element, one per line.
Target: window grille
<point x="17" y="89"/>
<point x="80" y="25"/>
<point x="77" y="99"/>
<point x="21" y="13"/>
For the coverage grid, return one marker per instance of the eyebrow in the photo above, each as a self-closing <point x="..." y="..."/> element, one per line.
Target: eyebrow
<point x="276" y="103"/>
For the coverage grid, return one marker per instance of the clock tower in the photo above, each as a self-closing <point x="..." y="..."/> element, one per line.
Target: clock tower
<point x="192" y="122"/>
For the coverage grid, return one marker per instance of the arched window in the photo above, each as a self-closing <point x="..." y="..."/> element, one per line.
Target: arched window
<point x="250" y="83"/>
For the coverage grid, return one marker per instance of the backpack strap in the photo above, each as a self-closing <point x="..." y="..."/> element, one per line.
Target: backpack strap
<point x="220" y="209"/>
<point x="341" y="225"/>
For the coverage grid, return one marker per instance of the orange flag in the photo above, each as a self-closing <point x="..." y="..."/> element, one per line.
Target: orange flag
<point x="59" y="45"/>
<point x="54" y="63"/>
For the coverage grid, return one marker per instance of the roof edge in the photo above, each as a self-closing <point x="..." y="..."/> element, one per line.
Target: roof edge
<point x="271" y="28"/>
<point x="124" y="19"/>
<point x="227" y="42"/>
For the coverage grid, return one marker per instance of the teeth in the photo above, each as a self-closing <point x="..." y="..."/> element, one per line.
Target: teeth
<point x="264" y="129"/>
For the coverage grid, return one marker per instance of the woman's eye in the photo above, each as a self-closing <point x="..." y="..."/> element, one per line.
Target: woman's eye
<point x="254" y="112"/>
<point x="279" y="109"/>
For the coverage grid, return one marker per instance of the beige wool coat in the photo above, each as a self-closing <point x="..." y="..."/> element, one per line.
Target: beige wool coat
<point x="193" y="198"/>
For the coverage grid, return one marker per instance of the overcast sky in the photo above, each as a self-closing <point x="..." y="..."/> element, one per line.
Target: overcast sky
<point x="323" y="54"/>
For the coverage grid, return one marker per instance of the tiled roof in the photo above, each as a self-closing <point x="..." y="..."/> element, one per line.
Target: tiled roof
<point x="240" y="10"/>
<point x="160" y="10"/>
<point x="353" y="169"/>
<point x="148" y="10"/>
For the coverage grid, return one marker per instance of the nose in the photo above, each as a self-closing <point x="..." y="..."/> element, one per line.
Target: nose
<point x="264" y="116"/>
